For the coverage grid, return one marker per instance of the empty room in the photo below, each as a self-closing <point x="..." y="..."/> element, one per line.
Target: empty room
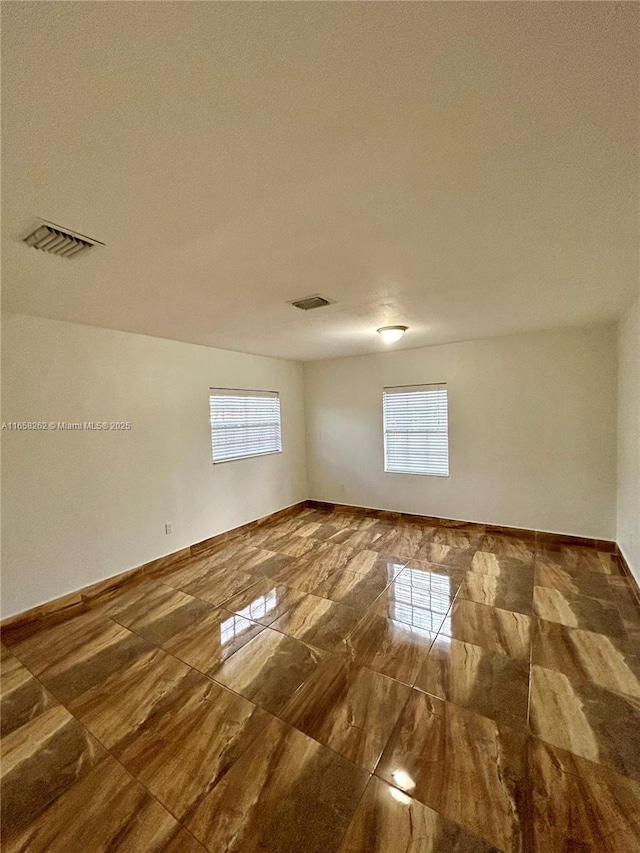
<point x="320" y="427"/>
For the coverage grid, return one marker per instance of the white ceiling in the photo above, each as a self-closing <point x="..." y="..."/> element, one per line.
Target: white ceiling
<point x="468" y="169"/>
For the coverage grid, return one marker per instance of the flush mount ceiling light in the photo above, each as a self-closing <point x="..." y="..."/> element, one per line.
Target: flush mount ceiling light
<point x="391" y="334"/>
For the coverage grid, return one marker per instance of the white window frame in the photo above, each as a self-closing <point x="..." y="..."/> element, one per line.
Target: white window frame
<point x="232" y="420"/>
<point x="437" y="425"/>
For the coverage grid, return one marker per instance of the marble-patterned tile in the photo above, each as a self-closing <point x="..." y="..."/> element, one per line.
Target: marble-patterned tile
<point x="350" y="589"/>
<point x="333" y="531"/>
<point x="401" y="543"/>
<point x="290" y="524"/>
<point x="456" y="537"/>
<point x="268" y="669"/>
<point x="502" y="631"/>
<point x="318" y="622"/>
<point x="320" y="530"/>
<point x="361" y="582"/>
<point x="455" y="573"/>
<point x="307" y="572"/>
<point x="443" y="608"/>
<point x="183" y="842"/>
<point x="591" y="584"/>
<point x="388" y="820"/>
<point x="420" y="596"/>
<point x="346" y="520"/>
<point x="224" y="552"/>
<point x="463" y="765"/>
<point x="122" y="703"/>
<point x="216" y="587"/>
<point x="315" y="514"/>
<point x="447" y="555"/>
<point x="190" y="571"/>
<point x="289" y="544"/>
<point x="22" y="697"/>
<point x="628" y="603"/>
<point x="264" y="602"/>
<point x="77" y="637"/>
<point x="76" y="655"/>
<point x="349" y="708"/>
<point x="212" y="639"/>
<point x="314" y="521"/>
<point x="484" y="681"/>
<point x="384" y="520"/>
<point x="257" y="537"/>
<point x="369" y="562"/>
<point x="586" y="719"/>
<point x="624" y="583"/>
<point x="107" y="810"/>
<point x="630" y="618"/>
<point x="223" y="559"/>
<point x="286" y="793"/>
<point x="388" y="646"/>
<point x="609" y="662"/>
<point x="498" y="564"/>
<point x="577" y="611"/>
<point x="329" y="554"/>
<point x="263" y="562"/>
<point x="235" y="547"/>
<point x="12" y="673"/>
<point x="357" y="538"/>
<point x="243" y="552"/>
<point x="508" y="590"/>
<point x="357" y="521"/>
<point x="193" y="736"/>
<point x="634" y="636"/>
<point x="157" y="611"/>
<point x="304" y="578"/>
<point x="41" y="760"/>
<point x="576" y="805"/>
<point x="509" y="546"/>
<point x="579" y="559"/>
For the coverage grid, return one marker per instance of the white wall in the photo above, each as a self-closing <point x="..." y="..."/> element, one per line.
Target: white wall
<point x="628" y="536"/>
<point x="82" y="506"/>
<point x="532" y="443"/>
<point x="532" y="431"/>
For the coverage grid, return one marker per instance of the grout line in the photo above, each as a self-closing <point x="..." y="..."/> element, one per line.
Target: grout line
<point x="367" y="613"/>
<point x="108" y="751"/>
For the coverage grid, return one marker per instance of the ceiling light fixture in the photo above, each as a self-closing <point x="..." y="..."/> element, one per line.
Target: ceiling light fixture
<point x="391" y="334"/>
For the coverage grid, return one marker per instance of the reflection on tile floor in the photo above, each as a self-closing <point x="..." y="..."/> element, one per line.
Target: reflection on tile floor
<point x="335" y="682"/>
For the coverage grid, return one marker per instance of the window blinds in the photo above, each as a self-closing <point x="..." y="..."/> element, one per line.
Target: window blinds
<point x="416" y="439"/>
<point x="244" y="423"/>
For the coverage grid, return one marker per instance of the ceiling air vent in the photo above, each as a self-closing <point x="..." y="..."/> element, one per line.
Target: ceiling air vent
<point x="311" y="302"/>
<point x="59" y="241"/>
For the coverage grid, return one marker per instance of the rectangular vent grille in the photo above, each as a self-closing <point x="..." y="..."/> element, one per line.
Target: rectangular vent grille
<point x="311" y="302"/>
<point x="55" y="240"/>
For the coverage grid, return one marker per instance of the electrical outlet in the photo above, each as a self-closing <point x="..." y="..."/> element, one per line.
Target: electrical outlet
<point x="168" y="528"/>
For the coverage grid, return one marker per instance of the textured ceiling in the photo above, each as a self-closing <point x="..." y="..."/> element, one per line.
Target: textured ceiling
<point x="467" y="169"/>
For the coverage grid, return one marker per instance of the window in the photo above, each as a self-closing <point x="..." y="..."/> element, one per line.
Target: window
<point x="421" y="599"/>
<point x="244" y="423"/>
<point x="416" y="439"/>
